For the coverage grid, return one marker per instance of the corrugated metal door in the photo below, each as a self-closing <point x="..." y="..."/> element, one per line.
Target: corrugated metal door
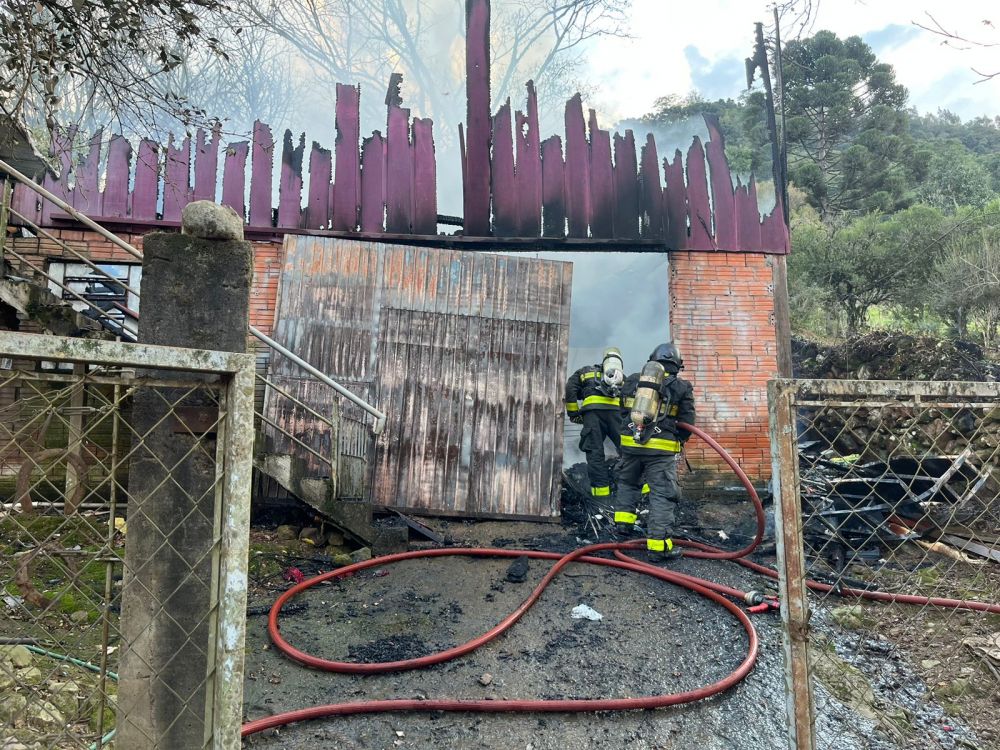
<point x="468" y="359"/>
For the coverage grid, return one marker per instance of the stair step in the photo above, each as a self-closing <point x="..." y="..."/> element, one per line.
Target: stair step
<point x="354" y="518"/>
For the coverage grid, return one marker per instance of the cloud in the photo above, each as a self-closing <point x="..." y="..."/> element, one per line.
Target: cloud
<point x="889" y="37"/>
<point x="722" y="78"/>
<point x="954" y="91"/>
<point x="674" y="48"/>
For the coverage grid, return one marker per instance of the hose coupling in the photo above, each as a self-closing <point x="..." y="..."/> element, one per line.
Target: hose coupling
<point x="753" y="598"/>
<point x="769" y="604"/>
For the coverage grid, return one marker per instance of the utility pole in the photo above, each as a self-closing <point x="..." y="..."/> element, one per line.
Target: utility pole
<point x="782" y="316"/>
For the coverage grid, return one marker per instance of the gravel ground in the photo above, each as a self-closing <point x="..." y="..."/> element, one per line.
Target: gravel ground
<point x="654" y="638"/>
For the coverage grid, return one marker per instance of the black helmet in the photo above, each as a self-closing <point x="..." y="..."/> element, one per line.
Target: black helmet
<point x="667" y="353"/>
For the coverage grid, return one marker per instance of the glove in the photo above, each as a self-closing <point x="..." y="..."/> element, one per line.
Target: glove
<point x="576" y="417"/>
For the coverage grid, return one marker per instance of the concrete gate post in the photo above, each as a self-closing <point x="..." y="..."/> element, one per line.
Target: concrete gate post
<point x="195" y="294"/>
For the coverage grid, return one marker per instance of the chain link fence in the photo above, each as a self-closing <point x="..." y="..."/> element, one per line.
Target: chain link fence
<point x="122" y="532"/>
<point x="891" y="487"/>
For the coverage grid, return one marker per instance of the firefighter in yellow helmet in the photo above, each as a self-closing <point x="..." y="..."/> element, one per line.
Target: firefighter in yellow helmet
<point x="653" y="402"/>
<point x="592" y="399"/>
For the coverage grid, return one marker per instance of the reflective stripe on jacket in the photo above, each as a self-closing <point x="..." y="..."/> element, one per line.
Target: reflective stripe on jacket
<point x="677" y="405"/>
<point x="585" y="391"/>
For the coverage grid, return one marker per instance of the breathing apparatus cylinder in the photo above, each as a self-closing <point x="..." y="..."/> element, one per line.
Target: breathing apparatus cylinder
<point x="613" y="368"/>
<point x="646" y="406"/>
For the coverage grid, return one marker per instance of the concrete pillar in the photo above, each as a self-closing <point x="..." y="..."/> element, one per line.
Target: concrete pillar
<point x="195" y="294"/>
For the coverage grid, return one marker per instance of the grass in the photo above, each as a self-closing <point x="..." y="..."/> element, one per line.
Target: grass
<point x="66" y="571"/>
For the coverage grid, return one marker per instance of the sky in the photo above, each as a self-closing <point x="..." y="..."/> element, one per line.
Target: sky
<point x="678" y="47"/>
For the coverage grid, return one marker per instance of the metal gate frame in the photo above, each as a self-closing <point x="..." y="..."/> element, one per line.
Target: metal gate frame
<point x="784" y="397"/>
<point x="236" y="373"/>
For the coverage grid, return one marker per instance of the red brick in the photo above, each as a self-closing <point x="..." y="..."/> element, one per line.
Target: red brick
<point x="722" y="315"/>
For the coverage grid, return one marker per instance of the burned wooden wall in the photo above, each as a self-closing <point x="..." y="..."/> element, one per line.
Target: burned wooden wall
<point x="588" y="185"/>
<point x="466" y="350"/>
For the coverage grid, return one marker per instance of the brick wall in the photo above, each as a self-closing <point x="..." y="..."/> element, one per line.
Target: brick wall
<point x="722" y="316"/>
<point x="267" y="263"/>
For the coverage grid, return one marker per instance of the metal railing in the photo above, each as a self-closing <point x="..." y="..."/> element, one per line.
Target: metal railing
<point x="379" y="416"/>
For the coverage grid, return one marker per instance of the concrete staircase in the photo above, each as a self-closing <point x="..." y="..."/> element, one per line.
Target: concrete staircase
<point x="291" y="473"/>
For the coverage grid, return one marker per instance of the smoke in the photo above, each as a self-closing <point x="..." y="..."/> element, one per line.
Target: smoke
<point x="679" y="135"/>
<point x="618" y="299"/>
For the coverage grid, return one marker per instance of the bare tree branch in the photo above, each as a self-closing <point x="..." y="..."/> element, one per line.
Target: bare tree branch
<point x="959" y="41"/>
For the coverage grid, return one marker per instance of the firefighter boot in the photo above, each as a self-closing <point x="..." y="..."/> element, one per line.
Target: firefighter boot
<point x="625" y="524"/>
<point x="662" y="550"/>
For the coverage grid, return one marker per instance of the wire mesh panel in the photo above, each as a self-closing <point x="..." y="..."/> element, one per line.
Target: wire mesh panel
<point x="123" y="504"/>
<point x="890" y="506"/>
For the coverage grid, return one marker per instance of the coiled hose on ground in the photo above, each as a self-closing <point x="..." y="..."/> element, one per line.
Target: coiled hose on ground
<point x="709" y="589"/>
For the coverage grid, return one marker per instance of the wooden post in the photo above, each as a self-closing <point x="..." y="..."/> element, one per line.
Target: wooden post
<point x="791" y="564"/>
<point x="5" y="198"/>
<point x="782" y="314"/>
<point x="74" y="439"/>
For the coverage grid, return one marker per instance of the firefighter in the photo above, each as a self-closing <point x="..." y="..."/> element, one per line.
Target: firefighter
<point x="653" y="402"/>
<point x="592" y="399"/>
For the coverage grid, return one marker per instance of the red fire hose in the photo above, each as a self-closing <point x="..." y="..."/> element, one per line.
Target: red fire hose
<point x="709" y="589"/>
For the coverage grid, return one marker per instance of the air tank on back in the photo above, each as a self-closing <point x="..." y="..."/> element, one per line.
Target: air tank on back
<point x="646" y="405"/>
<point x="613" y="368"/>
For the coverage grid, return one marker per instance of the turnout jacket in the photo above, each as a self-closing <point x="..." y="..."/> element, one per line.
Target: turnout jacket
<point x="676" y="405"/>
<point x="586" y="391"/>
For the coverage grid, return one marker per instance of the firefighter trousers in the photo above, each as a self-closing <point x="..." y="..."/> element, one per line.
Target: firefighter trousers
<point x="597" y="425"/>
<point x="660" y="472"/>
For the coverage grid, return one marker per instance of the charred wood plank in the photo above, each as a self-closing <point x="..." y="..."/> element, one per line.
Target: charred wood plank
<point x="347" y="174"/>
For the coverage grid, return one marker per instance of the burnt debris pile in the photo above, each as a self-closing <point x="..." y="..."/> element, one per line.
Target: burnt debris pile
<point x="857" y="509"/>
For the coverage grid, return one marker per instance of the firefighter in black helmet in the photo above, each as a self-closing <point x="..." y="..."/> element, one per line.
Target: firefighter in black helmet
<point x="592" y="399"/>
<point x="653" y="402"/>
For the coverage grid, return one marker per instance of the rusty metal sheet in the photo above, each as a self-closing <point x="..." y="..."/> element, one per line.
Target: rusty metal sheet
<point x="373" y="183"/>
<point x="774" y="231"/>
<point x="325" y="307"/>
<point x="466" y="350"/>
<point x="747" y="217"/>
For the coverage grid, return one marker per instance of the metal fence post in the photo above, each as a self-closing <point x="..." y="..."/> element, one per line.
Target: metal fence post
<point x="791" y="564"/>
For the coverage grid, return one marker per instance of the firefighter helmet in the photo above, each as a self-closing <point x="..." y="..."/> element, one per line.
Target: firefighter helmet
<point x="667" y="353"/>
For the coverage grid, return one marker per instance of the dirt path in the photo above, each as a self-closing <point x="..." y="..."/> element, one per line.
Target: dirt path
<point x="654" y="638"/>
